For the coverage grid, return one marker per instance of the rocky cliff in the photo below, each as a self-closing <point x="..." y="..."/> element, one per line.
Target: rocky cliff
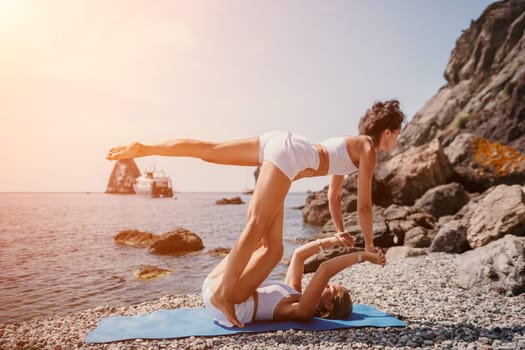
<point x="456" y="180"/>
<point x="485" y="83"/>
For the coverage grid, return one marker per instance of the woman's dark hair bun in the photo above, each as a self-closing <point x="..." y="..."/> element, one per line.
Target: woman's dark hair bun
<point x="381" y="116"/>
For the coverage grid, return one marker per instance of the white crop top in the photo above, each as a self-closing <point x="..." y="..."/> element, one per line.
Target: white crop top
<point x="270" y="293"/>
<point x="340" y="162"/>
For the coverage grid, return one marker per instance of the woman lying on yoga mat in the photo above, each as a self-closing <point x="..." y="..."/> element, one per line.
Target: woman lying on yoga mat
<point x="285" y="157"/>
<point x="278" y="301"/>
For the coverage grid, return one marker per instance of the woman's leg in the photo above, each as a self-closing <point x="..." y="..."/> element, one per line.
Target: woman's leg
<point x="237" y="152"/>
<point x="265" y="207"/>
<point x="262" y="262"/>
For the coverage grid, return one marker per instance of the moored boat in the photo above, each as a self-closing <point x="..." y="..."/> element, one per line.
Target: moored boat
<point x="155" y="184"/>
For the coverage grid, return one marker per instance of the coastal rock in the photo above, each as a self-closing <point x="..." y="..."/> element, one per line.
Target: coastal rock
<point x="220" y="251"/>
<point x="382" y="237"/>
<point x="499" y="265"/>
<point x="443" y="200"/>
<point x="233" y="200"/>
<point x="497" y="212"/>
<point x="123" y="177"/>
<point x="480" y="164"/>
<point x="148" y="272"/>
<point x="349" y="193"/>
<point x="417" y="237"/>
<point x="394" y="253"/>
<point x="402" y="219"/>
<point x="173" y="242"/>
<point x="136" y="238"/>
<point x="485" y="83"/>
<point x="177" y="241"/>
<point x="407" y="176"/>
<point x="316" y="211"/>
<point x="508" y="130"/>
<point x="397" y="212"/>
<point x="451" y="238"/>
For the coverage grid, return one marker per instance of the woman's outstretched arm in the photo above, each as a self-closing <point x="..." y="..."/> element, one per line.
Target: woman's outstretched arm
<point x="306" y="307"/>
<point x="367" y="164"/>
<point x="294" y="274"/>
<point x="334" y="201"/>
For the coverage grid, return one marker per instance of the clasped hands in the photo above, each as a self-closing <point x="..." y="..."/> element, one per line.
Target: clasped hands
<point x="376" y="255"/>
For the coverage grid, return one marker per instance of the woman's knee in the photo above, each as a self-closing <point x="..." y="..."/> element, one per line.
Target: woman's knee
<point x="276" y="252"/>
<point x="258" y="225"/>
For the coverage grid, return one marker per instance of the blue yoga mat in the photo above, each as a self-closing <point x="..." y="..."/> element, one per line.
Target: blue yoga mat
<point x="185" y="322"/>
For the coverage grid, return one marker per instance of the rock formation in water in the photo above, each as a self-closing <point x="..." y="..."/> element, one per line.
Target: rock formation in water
<point x="233" y="200"/>
<point x="123" y="177"/>
<point x="455" y="183"/>
<point x="174" y="242"/>
<point x="148" y="272"/>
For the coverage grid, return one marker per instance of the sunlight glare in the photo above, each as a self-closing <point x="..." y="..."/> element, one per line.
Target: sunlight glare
<point x="11" y="13"/>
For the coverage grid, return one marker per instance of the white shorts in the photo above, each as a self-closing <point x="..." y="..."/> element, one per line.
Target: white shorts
<point x="290" y="153"/>
<point x="243" y="311"/>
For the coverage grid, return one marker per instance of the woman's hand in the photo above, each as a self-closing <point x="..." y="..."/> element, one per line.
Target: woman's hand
<point x="376" y="258"/>
<point x="371" y="249"/>
<point x="346" y="239"/>
<point x="124" y="152"/>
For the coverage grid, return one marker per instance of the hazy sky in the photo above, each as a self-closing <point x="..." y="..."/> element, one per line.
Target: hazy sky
<point x="78" y="77"/>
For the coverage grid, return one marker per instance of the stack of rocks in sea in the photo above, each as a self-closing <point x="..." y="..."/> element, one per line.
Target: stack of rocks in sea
<point x="123" y="176"/>
<point x="455" y="183"/>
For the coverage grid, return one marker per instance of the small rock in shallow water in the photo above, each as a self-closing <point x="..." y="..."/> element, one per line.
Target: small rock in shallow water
<point x="147" y="272"/>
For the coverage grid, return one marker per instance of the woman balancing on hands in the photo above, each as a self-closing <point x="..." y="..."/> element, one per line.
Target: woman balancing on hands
<point x="278" y="301"/>
<point x="284" y="157"/>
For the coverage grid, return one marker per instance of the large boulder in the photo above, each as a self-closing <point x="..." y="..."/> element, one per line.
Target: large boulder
<point x="480" y="163"/>
<point x="451" y="238"/>
<point x="401" y="220"/>
<point x="497" y="212"/>
<point x="316" y="210"/>
<point x="407" y="176"/>
<point x="418" y="237"/>
<point x="498" y="266"/>
<point x="177" y="241"/>
<point x="136" y="238"/>
<point x="381" y="235"/>
<point x="443" y="200"/>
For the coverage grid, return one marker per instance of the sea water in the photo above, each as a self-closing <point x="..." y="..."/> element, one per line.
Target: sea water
<point x="58" y="255"/>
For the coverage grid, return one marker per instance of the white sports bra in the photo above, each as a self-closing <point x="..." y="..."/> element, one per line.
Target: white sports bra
<point x="340" y="162"/>
<point x="270" y="293"/>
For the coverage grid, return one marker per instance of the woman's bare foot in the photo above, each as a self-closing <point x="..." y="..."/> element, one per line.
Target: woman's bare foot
<point x="123" y="152"/>
<point x="226" y="307"/>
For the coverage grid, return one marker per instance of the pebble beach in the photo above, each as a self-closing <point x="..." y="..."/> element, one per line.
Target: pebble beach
<point x="420" y="291"/>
